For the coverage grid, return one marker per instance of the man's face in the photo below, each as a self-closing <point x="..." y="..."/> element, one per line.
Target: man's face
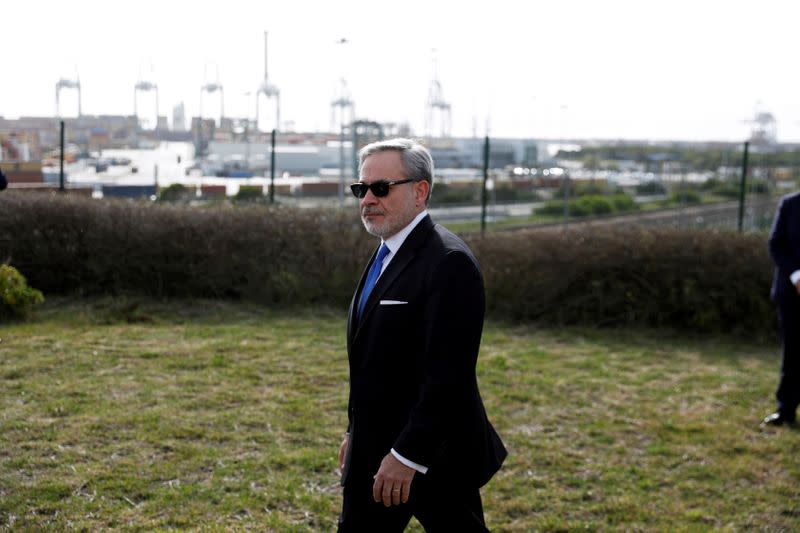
<point x="383" y="217"/>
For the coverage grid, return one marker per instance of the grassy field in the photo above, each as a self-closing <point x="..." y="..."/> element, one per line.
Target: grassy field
<point x="216" y="416"/>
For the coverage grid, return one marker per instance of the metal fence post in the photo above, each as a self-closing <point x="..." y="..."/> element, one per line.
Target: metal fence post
<point x="272" y="168"/>
<point x="742" y="185"/>
<point x="566" y="185"/>
<point x="61" y="165"/>
<point x="484" y="192"/>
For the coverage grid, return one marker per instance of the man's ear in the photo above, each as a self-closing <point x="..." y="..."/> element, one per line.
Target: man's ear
<point x="421" y="189"/>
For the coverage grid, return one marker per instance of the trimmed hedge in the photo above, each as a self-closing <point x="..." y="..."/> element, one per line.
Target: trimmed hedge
<point x="272" y="255"/>
<point x="688" y="279"/>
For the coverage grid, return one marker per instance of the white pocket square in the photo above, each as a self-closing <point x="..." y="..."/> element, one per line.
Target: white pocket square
<point x="393" y="302"/>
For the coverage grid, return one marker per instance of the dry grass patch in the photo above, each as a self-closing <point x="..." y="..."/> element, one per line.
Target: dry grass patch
<point x="216" y="416"/>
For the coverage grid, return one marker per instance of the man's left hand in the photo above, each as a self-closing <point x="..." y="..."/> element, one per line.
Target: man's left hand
<point x="392" y="482"/>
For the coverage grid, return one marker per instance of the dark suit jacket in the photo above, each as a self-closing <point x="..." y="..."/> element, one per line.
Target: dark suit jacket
<point x="412" y="366"/>
<point x="784" y="247"/>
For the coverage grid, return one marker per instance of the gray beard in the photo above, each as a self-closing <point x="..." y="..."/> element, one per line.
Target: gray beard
<point x="389" y="227"/>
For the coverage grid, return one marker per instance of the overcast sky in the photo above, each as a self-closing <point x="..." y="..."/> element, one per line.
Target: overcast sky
<point x="678" y="69"/>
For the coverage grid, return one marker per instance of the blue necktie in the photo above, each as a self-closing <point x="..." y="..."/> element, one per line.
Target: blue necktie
<point x="372" y="277"/>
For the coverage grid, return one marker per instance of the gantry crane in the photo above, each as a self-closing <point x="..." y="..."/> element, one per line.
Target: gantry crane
<point x="144" y="86"/>
<point x="269" y="90"/>
<point x="64" y="83"/>
<point x="437" y="109"/>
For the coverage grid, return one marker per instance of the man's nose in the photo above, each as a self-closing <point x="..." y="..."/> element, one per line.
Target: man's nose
<point x="369" y="198"/>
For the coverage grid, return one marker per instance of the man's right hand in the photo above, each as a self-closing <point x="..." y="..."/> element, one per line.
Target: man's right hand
<point x="343" y="450"/>
<point x="797" y="286"/>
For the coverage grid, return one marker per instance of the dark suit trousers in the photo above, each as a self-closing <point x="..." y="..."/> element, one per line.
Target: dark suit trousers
<point x="788" y="393"/>
<point x="438" y="507"/>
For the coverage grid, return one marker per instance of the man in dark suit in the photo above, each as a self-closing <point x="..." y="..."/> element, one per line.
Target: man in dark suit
<point x="784" y="247"/>
<point x="418" y="440"/>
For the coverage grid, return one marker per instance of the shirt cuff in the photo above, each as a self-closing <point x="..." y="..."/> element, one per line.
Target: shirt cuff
<point x="795" y="277"/>
<point x="411" y="464"/>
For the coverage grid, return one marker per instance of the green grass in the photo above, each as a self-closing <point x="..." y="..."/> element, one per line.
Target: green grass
<point x="216" y="416"/>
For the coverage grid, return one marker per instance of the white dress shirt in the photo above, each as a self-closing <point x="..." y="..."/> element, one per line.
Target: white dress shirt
<point x="394" y="242"/>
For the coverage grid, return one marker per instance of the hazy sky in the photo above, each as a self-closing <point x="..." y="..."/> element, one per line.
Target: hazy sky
<point x="650" y="69"/>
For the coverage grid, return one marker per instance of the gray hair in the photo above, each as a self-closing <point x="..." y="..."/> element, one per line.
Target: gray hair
<point x="417" y="160"/>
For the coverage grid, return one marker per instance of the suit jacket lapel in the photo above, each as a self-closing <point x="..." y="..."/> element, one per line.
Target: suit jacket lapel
<point x="399" y="262"/>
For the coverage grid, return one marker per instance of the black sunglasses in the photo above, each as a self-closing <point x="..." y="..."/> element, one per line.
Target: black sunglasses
<point x="379" y="188"/>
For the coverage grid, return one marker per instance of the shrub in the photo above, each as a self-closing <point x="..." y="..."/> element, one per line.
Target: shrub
<point x="685" y="196"/>
<point x="760" y="187"/>
<point x="726" y="189"/>
<point x="249" y="193"/>
<point x="594" y="205"/>
<point x="732" y="189"/>
<point x="590" y="205"/>
<point x="624" y="203"/>
<point x="510" y="194"/>
<point x="176" y="192"/>
<point x="552" y="208"/>
<point x="592" y="188"/>
<point x="16" y="298"/>
<point x="585" y="188"/>
<point x="651" y="187"/>
<point x="444" y="193"/>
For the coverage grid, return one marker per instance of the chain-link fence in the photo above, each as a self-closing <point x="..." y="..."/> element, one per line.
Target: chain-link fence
<point x="686" y="186"/>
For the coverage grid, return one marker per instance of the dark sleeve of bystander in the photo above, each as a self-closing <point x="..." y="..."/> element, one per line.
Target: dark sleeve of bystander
<point x="3" y="182"/>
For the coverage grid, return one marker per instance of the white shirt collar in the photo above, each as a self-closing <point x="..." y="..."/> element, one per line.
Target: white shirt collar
<point x="396" y="241"/>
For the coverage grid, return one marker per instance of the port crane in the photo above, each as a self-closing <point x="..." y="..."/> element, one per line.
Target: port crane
<point x="65" y="83"/>
<point x="270" y="91"/>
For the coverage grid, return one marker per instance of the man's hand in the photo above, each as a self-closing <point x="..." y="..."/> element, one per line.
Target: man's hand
<point x="797" y="286"/>
<point x="343" y="450"/>
<point x="392" y="482"/>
